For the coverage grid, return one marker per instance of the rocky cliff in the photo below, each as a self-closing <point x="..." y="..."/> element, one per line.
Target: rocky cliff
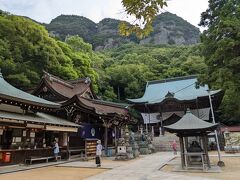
<point x="168" y="29"/>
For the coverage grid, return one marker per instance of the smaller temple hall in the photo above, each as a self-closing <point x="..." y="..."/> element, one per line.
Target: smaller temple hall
<point x="79" y="104"/>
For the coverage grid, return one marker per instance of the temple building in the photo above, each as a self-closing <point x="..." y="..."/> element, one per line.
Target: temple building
<point x="166" y="101"/>
<point x="98" y="119"/>
<point x="29" y="125"/>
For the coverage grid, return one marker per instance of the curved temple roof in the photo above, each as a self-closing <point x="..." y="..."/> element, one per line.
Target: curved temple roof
<point x="8" y="91"/>
<point x="181" y="88"/>
<point x="99" y="107"/>
<point x="67" y="89"/>
<point x="190" y="124"/>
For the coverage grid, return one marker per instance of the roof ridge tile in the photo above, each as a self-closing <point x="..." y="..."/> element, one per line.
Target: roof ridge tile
<point x="172" y="79"/>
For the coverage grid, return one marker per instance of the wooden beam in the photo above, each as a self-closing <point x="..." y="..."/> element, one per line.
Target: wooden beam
<point x="60" y="128"/>
<point x="11" y="121"/>
<point x="37" y="126"/>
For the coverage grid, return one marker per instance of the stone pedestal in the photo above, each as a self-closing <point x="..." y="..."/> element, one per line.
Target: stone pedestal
<point x="134" y="145"/>
<point x="143" y="148"/>
<point x="130" y="152"/>
<point x="135" y="149"/>
<point x="144" y="143"/>
<point x="125" y="151"/>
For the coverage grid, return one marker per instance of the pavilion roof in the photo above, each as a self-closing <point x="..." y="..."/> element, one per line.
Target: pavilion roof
<point x="190" y="124"/>
<point x="180" y="88"/>
<point x="9" y="92"/>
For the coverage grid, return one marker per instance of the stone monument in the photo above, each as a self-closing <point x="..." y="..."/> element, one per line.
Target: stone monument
<point x="149" y="141"/>
<point x="142" y="142"/>
<point x="134" y="145"/>
<point x="124" y="150"/>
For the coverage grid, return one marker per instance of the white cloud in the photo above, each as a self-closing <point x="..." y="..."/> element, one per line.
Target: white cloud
<point x="189" y="10"/>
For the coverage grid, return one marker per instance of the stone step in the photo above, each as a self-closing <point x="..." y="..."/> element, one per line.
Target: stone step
<point x="163" y="143"/>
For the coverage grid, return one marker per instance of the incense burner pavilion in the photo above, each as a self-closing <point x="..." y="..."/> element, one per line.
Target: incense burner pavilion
<point x="192" y="132"/>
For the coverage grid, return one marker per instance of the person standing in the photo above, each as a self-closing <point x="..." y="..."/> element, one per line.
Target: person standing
<point x="55" y="150"/>
<point x="98" y="153"/>
<point x="174" y="147"/>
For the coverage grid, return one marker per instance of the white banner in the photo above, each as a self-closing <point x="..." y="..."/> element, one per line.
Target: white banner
<point x="150" y="118"/>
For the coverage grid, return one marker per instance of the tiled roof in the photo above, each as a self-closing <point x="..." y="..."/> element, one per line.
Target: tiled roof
<point x="190" y="122"/>
<point x="182" y="88"/>
<point x="105" y="108"/>
<point x="37" y="118"/>
<point x="99" y="107"/>
<point x="9" y="92"/>
<point x="67" y="88"/>
<point x="230" y="128"/>
<point x="74" y="89"/>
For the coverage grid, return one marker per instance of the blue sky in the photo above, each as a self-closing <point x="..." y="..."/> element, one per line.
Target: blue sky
<point x="96" y="10"/>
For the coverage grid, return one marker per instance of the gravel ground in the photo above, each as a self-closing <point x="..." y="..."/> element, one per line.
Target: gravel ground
<point x="52" y="173"/>
<point x="231" y="171"/>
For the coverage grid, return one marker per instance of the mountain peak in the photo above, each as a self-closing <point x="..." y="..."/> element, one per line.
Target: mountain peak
<point x="172" y="29"/>
<point x="168" y="29"/>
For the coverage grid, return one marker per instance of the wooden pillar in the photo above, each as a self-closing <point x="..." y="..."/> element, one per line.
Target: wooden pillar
<point x="182" y="151"/>
<point x="105" y="139"/>
<point x="206" y="150"/>
<point x="68" y="152"/>
<point x="115" y="137"/>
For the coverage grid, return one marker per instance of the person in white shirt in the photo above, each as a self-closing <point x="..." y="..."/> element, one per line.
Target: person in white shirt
<point x="98" y="153"/>
<point x="55" y="149"/>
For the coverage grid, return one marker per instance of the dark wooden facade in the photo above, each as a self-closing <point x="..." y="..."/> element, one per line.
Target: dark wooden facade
<point x="80" y="105"/>
<point x="29" y="125"/>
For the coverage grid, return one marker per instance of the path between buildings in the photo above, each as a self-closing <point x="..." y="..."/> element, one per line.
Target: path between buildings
<point x="146" y="168"/>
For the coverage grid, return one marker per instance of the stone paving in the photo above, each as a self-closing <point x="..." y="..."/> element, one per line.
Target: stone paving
<point x="146" y="168"/>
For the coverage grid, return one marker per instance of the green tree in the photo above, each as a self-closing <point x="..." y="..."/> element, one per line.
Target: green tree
<point x="26" y="50"/>
<point x="221" y="49"/>
<point x="81" y="54"/>
<point x="128" y="67"/>
<point x="144" y="11"/>
<point x="129" y="80"/>
<point x="78" y="44"/>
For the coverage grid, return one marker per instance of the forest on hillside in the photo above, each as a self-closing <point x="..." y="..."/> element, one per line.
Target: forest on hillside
<point x="168" y="28"/>
<point x="26" y="49"/>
